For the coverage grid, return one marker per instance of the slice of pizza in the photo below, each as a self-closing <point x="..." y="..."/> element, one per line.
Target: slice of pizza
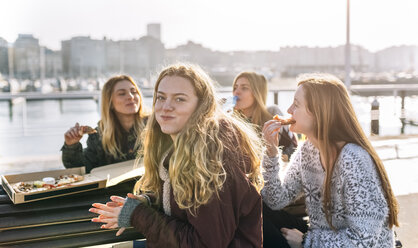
<point x="284" y="121"/>
<point x="68" y="179"/>
<point x="86" y="130"/>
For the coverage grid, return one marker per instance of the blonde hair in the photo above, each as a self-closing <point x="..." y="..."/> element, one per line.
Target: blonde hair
<point x="258" y="85"/>
<point x="109" y="125"/>
<point x="328" y="101"/>
<point x="196" y="169"/>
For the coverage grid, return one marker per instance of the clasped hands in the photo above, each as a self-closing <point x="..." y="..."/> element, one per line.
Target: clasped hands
<point x="109" y="212"/>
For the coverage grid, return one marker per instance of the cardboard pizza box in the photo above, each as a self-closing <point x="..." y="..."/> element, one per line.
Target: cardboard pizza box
<point x="101" y="177"/>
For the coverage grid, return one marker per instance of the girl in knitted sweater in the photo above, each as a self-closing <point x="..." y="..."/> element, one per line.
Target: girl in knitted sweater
<point x="349" y="199"/>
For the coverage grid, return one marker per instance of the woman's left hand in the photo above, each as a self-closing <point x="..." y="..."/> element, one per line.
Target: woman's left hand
<point x="293" y="236"/>
<point x="109" y="213"/>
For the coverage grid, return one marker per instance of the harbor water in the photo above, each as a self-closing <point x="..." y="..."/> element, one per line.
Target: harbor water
<point x="36" y="128"/>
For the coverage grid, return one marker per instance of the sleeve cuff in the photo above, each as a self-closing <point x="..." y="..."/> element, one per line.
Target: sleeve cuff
<point x="271" y="163"/>
<point x="71" y="147"/>
<point x="124" y="219"/>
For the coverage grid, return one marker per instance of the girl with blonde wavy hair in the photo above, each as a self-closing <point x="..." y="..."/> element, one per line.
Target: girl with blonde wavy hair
<point x="348" y="195"/>
<point x="117" y="137"/>
<point x="202" y="178"/>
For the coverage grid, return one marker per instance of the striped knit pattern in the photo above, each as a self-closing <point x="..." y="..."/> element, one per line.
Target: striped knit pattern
<point x="359" y="210"/>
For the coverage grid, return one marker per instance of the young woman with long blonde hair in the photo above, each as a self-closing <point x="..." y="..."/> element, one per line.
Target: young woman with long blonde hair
<point x="348" y="195"/>
<point x="117" y="137"/>
<point x="202" y="177"/>
<point x="251" y="90"/>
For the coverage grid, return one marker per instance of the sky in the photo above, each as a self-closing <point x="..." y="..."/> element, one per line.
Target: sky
<point x="224" y="25"/>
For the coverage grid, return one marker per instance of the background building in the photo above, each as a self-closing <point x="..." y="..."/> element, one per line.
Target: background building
<point x="4" y="57"/>
<point x="26" y="57"/>
<point x="397" y="59"/>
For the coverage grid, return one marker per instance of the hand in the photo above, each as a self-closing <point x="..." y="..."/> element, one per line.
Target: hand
<point x="271" y="130"/>
<point x="73" y="136"/>
<point x="109" y="213"/>
<point x="293" y="236"/>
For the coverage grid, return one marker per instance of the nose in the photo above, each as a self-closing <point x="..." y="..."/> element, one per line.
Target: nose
<point x="167" y="106"/>
<point x="290" y="109"/>
<point x="235" y="92"/>
<point x="130" y="95"/>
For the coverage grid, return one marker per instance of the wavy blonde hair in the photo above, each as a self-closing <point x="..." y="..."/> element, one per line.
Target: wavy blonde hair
<point x="196" y="168"/>
<point x="258" y="85"/>
<point x="328" y="101"/>
<point x="109" y="125"/>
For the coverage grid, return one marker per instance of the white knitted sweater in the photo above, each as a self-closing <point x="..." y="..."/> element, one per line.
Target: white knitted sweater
<point x="359" y="210"/>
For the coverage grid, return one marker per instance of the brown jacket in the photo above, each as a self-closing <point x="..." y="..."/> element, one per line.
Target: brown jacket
<point x="232" y="220"/>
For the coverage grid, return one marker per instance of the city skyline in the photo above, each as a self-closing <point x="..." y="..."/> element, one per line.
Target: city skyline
<point x="222" y="26"/>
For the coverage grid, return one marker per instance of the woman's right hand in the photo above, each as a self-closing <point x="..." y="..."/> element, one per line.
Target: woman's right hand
<point x="73" y="136"/>
<point x="271" y="131"/>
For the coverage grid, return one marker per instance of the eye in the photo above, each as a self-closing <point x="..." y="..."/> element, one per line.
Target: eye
<point x="160" y="98"/>
<point x="180" y="99"/>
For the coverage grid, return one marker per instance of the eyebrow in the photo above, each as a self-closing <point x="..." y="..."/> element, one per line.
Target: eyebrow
<point x="175" y="94"/>
<point x="133" y="88"/>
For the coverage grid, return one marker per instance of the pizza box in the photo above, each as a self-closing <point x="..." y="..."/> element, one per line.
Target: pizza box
<point x="101" y="177"/>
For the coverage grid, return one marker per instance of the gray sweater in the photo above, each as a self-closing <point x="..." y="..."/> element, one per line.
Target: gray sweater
<point x="359" y="210"/>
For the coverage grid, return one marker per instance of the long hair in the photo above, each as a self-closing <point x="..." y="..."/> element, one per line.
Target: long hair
<point x="328" y="101"/>
<point x="109" y="125"/>
<point x="196" y="170"/>
<point x="258" y="85"/>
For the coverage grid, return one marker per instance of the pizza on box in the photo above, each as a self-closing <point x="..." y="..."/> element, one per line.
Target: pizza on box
<point x="47" y="183"/>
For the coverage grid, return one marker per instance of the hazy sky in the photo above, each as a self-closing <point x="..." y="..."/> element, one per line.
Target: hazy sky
<point x="218" y="24"/>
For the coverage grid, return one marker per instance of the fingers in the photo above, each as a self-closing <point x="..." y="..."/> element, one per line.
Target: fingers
<point x="132" y="196"/>
<point x="118" y="199"/>
<point x="104" y="219"/>
<point x="109" y="226"/>
<point x="112" y="204"/>
<point x="105" y="210"/>
<point x="120" y="231"/>
<point x="72" y="136"/>
<point x="285" y="231"/>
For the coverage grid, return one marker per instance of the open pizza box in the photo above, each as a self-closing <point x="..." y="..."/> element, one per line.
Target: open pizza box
<point x="101" y="177"/>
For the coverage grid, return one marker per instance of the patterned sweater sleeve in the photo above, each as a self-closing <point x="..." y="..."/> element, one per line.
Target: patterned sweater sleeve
<point x="364" y="207"/>
<point x="278" y="193"/>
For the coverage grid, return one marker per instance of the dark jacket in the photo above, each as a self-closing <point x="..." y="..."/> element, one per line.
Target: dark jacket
<point x="94" y="155"/>
<point x="232" y="220"/>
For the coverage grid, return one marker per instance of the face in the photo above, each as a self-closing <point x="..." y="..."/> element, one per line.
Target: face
<point x="125" y="98"/>
<point x="242" y="90"/>
<point x="176" y="102"/>
<point x="304" y="119"/>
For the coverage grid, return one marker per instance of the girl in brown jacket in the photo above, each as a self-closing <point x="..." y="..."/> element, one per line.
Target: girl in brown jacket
<point x="202" y="178"/>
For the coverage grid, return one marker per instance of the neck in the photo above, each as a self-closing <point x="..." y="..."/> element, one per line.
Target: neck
<point x="334" y="150"/>
<point x="173" y="137"/>
<point x="248" y="112"/>
<point x="126" y="121"/>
